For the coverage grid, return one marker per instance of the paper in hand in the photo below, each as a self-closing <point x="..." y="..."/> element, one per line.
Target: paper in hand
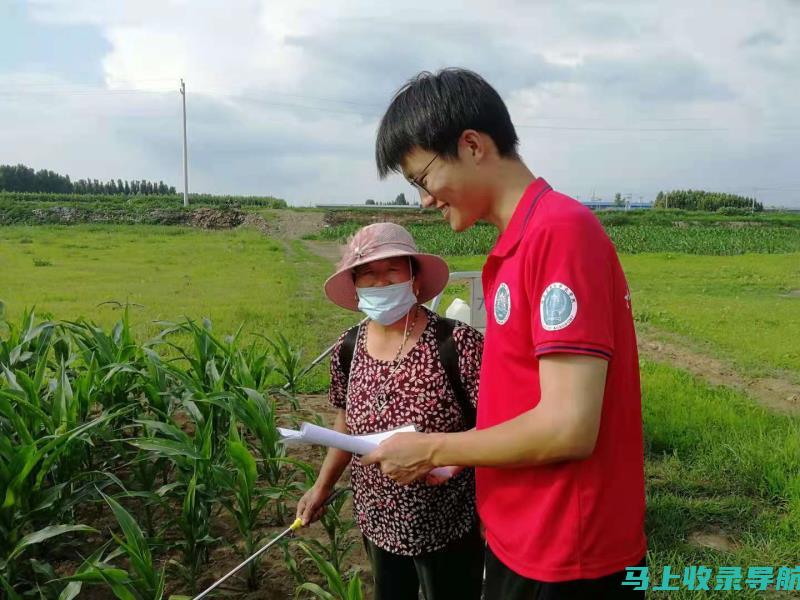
<point x="357" y="444"/>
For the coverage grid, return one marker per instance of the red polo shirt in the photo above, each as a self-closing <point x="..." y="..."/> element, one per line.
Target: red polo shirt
<point x="553" y="284"/>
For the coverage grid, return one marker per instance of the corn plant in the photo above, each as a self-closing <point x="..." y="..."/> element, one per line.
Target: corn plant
<point x="10" y="577"/>
<point x="337" y="528"/>
<point x="205" y="378"/>
<point x="289" y="360"/>
<point x="144" y="581"/>
<point x="32" y="499"/>
<point x="291" y="563"/>
<point x="158" y="385"/>
<point x="116" y="359"/>
<point x="82" y="408"/>
<point x="194" y="485"/>
<point x="26" y="344"/>
<point x="194" y="522"/>
<point x="246" y="501"/>
<point x="257" y="413"/>
<point x="39" y="407"/>
<point x="340" y="587"/>
<point x="145" y="469"/>
<point x="250" y="368"/>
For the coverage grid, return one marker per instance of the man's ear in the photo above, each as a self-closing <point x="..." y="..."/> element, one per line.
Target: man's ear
<point x="471" y="145"/>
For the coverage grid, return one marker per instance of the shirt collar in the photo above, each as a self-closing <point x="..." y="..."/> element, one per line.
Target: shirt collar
<point x="519" y="220"/>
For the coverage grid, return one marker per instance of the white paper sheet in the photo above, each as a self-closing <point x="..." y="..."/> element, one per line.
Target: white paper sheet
<point x="357" y="444"/>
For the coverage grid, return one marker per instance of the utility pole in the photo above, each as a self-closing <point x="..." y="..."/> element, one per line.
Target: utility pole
<point x="185" y="156"/>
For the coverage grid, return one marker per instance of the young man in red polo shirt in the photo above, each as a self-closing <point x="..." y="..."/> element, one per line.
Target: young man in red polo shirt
<point x="558" y="444"/>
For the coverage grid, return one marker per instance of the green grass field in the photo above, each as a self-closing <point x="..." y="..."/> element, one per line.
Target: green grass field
<point x="234" y="278"/>
<point x="741" y="308"/>
<point x="718" y="464"/>
<point x="716" y="461"/>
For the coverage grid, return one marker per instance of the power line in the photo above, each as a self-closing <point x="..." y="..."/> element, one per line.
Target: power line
<point x="72" y="91"/>
<point x="636" y="129"/>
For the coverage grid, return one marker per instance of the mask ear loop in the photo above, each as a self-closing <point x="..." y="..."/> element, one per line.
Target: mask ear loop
<point x="413" y="278"/>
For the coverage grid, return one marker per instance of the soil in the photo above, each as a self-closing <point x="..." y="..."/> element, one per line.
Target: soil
<point x="330" y="251"/>
<point x="365" y="217"/>
<point x="211" y="218"/>
<point x="713" y="538"/>
<point x="775" y="393"/>
<point x="291" y="225"/>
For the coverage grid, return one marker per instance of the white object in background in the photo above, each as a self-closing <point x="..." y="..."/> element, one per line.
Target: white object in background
<point x="460" y="311"/>
<point x="357" y="444"/>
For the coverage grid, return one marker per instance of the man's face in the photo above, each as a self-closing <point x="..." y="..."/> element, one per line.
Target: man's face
<point x="447" y="184"/>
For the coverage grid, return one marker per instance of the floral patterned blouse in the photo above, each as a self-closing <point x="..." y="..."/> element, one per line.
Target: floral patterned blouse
<point x="418" y="518"/>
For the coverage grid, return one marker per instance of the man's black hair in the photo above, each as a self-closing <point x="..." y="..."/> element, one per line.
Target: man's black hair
<point x="431" y="111"/>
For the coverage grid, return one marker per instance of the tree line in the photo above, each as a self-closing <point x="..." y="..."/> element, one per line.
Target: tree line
<point x="21" y="178"/>
<point x="400" y="200"/>
<point x="705" y="201"/>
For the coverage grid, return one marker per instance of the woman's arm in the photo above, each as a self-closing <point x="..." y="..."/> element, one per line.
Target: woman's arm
<point x="309" y="508"/>
<point x="336" y="460"/>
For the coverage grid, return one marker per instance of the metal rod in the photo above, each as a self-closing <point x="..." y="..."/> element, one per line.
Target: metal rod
<point x="294" y="526"/>
<point x="298" y="523"/>
<point x="320" y="358"/>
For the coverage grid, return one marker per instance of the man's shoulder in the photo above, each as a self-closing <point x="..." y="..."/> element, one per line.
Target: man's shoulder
<point x="560" y="217"/>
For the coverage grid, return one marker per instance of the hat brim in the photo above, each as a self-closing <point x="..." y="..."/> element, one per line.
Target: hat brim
<point x="432" y="277"/>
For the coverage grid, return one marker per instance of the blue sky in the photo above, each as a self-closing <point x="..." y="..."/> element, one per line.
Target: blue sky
<point x="284" y="97"/>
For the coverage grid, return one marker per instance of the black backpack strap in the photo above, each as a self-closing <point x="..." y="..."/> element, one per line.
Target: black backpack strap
<point x="449" y="357"/>
<point x="347" y="350"/>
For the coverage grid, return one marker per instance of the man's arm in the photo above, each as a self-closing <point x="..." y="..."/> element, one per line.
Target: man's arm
<point x="563" y="426"/>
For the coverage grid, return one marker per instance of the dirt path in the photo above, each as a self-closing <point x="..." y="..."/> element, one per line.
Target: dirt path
<point x="327" y="250"/>
<point x="774" y="393"/>
<point x="294" y="225"/>
<point x="288" y="225"/>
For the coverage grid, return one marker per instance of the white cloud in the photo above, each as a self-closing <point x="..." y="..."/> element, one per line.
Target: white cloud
<point x="284" y="97"/>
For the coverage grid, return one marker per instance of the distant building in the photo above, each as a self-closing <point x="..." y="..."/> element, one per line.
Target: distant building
<point x="373" y="207"/>
<point x="605" y="205"/>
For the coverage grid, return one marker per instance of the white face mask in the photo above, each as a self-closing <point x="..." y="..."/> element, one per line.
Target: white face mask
<point x="387" y="304"/>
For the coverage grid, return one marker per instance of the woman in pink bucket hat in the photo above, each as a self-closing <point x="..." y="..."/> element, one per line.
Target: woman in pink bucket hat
<point x="403" y="365"/>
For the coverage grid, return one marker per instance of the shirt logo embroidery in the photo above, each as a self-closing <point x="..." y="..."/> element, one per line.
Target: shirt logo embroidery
<point x="502" y="304"/>
<point x="558" y="307"/>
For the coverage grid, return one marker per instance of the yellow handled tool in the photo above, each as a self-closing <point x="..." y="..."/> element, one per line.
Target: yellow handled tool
<point x="298" y="523"/>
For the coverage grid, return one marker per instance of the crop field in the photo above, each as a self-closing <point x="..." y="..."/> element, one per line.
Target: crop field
<point x="144" y="369"/>
<point x="635" y="236"/>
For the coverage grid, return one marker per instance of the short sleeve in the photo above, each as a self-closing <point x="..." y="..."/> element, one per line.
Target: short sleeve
<point x="337" y="393"/>
<point x="570" y="283"/>
<point x="469" y="347"/>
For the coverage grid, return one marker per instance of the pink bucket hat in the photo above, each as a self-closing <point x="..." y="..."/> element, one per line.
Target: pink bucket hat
<point x="376" y="242"/>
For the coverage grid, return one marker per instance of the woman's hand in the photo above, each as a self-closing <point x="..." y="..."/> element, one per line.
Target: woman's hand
<point x="446" y="474"/>
<point x="310" y="507"/>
